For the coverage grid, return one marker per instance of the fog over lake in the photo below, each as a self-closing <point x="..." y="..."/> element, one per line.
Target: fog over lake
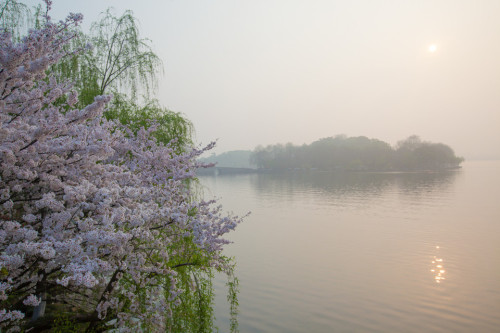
<point x="354" y="252"/>
<point x="277" y="71"/>
<point x="369" y="133"/>
<point x="350" y="251"/>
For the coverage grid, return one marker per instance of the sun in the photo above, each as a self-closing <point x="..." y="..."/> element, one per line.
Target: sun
<point x="432" y="48"/>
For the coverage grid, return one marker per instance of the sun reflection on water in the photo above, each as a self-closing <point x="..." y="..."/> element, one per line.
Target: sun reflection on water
<point x="438" y="267"/>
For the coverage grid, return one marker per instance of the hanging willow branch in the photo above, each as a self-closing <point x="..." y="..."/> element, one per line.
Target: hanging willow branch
<point x="14" y="17"/>
<point x="124" y="61"/>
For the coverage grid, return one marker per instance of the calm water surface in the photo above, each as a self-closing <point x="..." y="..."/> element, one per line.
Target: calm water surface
<point x="365" y="252"/>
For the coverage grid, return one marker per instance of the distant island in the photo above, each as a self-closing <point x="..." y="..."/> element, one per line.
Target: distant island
<point x="342" y="153"/>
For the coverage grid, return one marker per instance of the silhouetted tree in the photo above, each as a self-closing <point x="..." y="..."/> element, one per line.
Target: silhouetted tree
<point x="357" y="154"/>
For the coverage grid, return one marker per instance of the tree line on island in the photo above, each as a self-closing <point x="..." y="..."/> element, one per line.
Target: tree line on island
<point x="342" y="153"/>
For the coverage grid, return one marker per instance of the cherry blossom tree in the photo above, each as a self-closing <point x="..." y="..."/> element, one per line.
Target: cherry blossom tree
<point x="95" y="218"/>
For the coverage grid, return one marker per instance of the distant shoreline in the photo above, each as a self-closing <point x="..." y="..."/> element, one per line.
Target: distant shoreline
<point x="340" y="154"/>
<point x="216" y="171"/>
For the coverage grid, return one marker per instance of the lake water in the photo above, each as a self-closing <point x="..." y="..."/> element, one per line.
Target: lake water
<point x="361" y="252"/>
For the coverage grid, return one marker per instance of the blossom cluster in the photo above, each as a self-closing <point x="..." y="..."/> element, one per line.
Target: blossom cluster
<point x="86" y="206"/>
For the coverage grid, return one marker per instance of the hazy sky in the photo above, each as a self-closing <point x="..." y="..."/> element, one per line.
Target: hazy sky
<point x="250" y="72"/>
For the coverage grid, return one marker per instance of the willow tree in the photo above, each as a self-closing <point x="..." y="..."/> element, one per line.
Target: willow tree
<point x="14" y="17"/>
<point x="98" y="227"/>
<point x="120" y="62"/>
<point x="121" y="58"/>
<point x="171" y="126"/>
<point x="115" y="60"/>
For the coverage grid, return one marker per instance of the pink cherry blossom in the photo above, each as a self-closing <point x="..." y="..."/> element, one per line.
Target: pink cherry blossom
<point x="86" y="207"/>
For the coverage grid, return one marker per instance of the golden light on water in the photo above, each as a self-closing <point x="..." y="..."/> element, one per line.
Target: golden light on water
<point x="438" y="268"/>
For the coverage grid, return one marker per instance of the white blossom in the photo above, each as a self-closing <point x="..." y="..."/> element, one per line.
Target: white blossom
<point x="83" y="203"/>
<point x="32" y="300"/>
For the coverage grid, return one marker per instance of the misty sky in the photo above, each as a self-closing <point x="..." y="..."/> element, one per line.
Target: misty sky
<point x="250" y="72"/>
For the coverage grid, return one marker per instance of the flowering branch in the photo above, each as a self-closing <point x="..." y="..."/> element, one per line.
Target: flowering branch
<point x="93" y="215"/>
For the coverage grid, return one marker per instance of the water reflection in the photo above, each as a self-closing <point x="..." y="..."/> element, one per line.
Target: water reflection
<point x="418" y="182"/>
<point x="438" y="267"/>
<point x="353" y="252"/>
<point x="342" y="184"/>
